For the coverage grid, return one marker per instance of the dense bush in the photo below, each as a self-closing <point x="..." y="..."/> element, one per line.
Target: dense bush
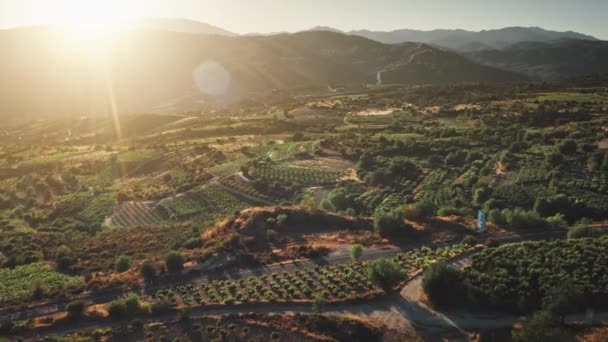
<point x="174" y="261"/>
<point x="390" y="223"/>
<point x="128" y="306"/>
<point x="148" y="270"/>
<point x="441" y="283"/>
<point x="122" y="263"/>
<point x="584" y="231"/>
<point x="76" y="308"/>
<point x="386" y="273"/>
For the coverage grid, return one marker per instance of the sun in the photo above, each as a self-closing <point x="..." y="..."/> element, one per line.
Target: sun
<point x="92" y="22"/>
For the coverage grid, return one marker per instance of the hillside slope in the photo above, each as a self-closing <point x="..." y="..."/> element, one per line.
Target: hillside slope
<point x="548" y="61"/>
<point x="145" y="69"/>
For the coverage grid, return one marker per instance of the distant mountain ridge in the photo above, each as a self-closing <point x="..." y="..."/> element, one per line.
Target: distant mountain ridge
<point x="455" y="39"/>
<point x="181" y="25"/>
<point x="548" y="60"/>
<point x="153" y="69"/>
<point x="462" y="40"/>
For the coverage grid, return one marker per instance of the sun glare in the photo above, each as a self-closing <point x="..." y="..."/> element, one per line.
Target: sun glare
<point x="92" y="24"/>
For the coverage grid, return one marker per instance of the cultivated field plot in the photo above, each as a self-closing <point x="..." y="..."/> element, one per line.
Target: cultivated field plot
<point x="290" y="174"/>
<point x="17" y="284"/>
<point x="336" y="283"/>
<point x="247" y="190"/>
<point x="133" y="214"/>
<point x="510" y="275"/>
<point x="207" y="203"/>
<point x="290" y="150"/>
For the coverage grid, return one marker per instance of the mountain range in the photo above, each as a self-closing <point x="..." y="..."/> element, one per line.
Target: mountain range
<point x="548" y="60"/>
<point x="168" y="65"/>
<point x="462" y="40"/>
<point x="149" y="69"/>
<point x="457" y="39"/>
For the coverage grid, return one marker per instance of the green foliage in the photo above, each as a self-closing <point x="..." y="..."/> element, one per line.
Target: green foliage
<point x="128" y="306"/>
<point x="523" y="219"/>
<point x="18" y="283"/>
<point x="122" y="263"/>
<point x="441" y="283"/>
<point x="148" y="270"/>
<point x="318" y="303"/>
<point x="521" y="277"/>
<point x="386" y="273"/>
<point x="174" y="261"/>
<point x="584" y="231"/>
<point x="76" y="308"/>
<point x="390" y="223"/>
<point x="541" y="327"/>
<point x="193" y="242"/>
<point x="564" y="299"/>
<point x="356" y="252"/>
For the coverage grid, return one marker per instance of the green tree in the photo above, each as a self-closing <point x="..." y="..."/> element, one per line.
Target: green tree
<point x="389" y="223"/>
<point x="174" y="261"/>
<point x="149" y="270"/>
<point x="76" y="308"/>
<point x="356" y="252"/>
<point x="563" y="299"/>
<point x="282" y="220"/>
<point x="385" y="273"/>
<point x="39" y="291"/>
<point x="122" y="263"/>
<point x="442" y="284"/>
<point x="318" y="303"/>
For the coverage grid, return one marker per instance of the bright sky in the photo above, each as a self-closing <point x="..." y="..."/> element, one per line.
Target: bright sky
<point x="242" y="16"/>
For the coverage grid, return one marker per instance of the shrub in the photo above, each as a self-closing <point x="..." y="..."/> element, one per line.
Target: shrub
<point x="449" y="211"/>
<point x="522" y="219"/>
<point x="356" y="252"/>
<point x="469" y="241"/>
<point x="389" y="223"/>
<point x="117" y="309"/>
<point x="541" y="327"/>
<point x="584" y="231"/>
<point x="496" y="216"/>
<point x="557" y="220"/>
<point x="130" y="305"/>
<point x="441" y="283"/>
<point x="318" y="303"/>
<point x="39" y="291"/>
<point x="385" y="273"/>
<point x="76" y="308"/>
<point x="282" y="220"/>
<point x="193" y="243"/>
<point x="174" y="261"/>
<point x="426" y="208"/>
<point x="122" y="263"/>
<point x="149" y="270"/>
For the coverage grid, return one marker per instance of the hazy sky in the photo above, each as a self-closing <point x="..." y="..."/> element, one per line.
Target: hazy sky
<point x="241" y="16"/>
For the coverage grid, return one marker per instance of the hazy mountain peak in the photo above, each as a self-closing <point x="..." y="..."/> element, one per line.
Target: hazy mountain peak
<point x="182" y="25"/>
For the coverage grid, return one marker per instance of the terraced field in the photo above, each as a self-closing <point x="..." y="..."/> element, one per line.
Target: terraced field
<point x="289" y="150"/>
<point x="242" y="188"/>
<point x="206" y="203"/>
<point x="287" y="174"/>
<point x="133" y="214"/>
